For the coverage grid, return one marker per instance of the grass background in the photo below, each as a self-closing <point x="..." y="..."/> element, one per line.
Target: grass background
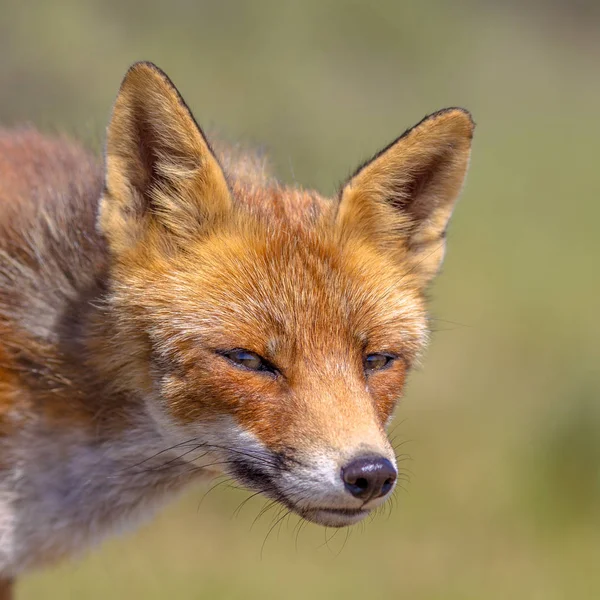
<point x="503" y="422"/>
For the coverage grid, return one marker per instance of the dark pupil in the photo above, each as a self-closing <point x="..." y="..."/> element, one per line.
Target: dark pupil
<point x="247" y="359"/>
<point x="376" y="361"/>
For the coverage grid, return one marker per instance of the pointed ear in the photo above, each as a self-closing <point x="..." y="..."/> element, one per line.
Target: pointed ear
<point x="403" y="198"/>
<point x="161" y="175"/>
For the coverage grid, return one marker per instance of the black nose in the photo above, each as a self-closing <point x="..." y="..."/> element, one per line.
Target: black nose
<point x="369" y="477"/>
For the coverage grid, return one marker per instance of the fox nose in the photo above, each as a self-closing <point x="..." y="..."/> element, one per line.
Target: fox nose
<point x="369" y="477"/>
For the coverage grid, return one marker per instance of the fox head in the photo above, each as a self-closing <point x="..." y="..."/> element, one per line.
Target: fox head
<point x="267" y="326"/>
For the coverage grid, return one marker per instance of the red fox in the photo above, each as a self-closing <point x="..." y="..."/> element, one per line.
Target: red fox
<point x="176" y="313"/>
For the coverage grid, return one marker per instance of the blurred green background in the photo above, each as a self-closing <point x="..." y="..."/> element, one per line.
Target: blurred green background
<point x="503" y="421"/>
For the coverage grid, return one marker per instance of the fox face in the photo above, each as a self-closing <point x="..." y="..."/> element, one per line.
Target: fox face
<point x="270" y="330"/>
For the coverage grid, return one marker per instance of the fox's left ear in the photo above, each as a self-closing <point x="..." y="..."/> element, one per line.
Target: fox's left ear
<point x="402" y="199"/>
<point x="162" y="180"/>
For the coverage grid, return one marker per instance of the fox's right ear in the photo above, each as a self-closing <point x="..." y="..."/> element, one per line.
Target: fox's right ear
<point x="161" y="176"/>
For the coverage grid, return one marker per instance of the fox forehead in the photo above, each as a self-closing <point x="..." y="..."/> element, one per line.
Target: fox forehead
<point x="283" y="286"/>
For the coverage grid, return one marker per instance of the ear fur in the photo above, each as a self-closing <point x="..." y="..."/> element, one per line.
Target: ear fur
<point x="403" y="198"/>
<point x="161" y="175"/>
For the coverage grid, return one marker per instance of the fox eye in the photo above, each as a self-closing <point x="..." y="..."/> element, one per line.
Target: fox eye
<point x="376" y="362"/>
<point x="248" y="360"/>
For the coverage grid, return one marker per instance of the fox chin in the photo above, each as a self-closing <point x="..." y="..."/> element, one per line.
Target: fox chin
<point x="173" y="311"/>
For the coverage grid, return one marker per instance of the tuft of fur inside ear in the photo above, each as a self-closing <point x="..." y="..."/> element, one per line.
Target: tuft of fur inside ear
<point x="161" y="176"/>
<point x="402" y="199"/>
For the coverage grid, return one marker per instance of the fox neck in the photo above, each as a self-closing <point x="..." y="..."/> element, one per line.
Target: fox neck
<point x="97" y="383"/>
<point x="88" y="457"/>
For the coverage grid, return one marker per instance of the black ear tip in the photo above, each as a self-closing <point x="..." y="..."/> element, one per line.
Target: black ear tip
<point x="455" y="113"/>
<point x="143" y="74"/>
<point x="145" y="67"/>
<point x="452" y="109"/>
<point x="465" y="113"/>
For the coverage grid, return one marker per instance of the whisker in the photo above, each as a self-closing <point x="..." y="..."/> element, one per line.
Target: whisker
<point x="396" y="425"/>
<point x="450" y="322"/>
<point x="214" y="487"/>
<point x="402" y="444"/>
<point x="303" y="523"/>
<point x="159" y="453"/>
<point x="269" y="532"/>
<point x="268" y="506"/>
<point x="237" y="511"/>
<point x="264" y="459"/>
<point x="348" y="534"/>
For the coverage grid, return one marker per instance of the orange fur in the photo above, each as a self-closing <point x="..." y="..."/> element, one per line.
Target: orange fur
<point x="122" y="291"/>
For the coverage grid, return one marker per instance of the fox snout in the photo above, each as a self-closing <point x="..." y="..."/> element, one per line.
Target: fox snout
<point x="321" y="490"/>
<point x="316" y="477"/>
<point x="363" y="484"/>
